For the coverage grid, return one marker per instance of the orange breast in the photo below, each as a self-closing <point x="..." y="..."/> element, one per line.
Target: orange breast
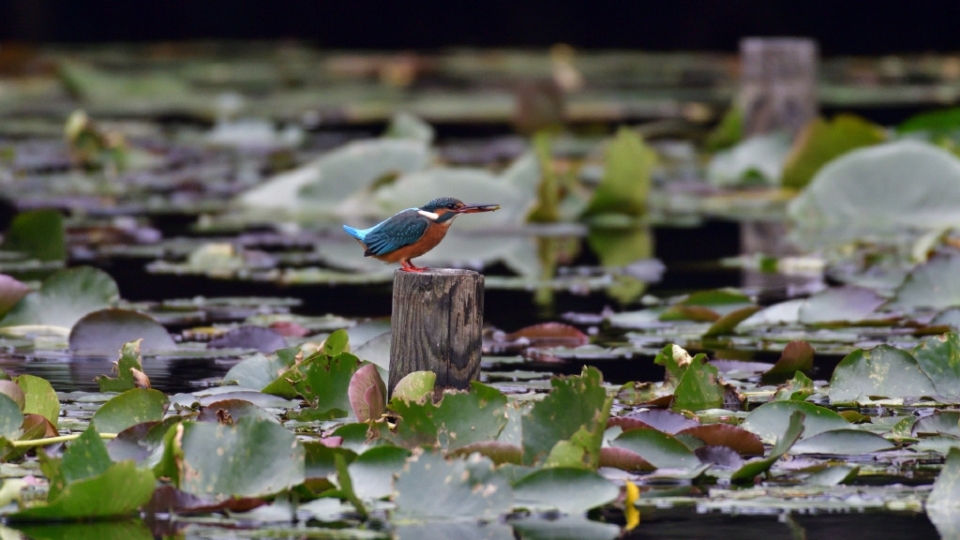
<point x="428" y="241"/>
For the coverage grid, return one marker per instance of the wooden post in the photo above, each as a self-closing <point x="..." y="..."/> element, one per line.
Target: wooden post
<point x="436" y="325"/>
<point x="778" y="88"/>
<point x="778" y="92"/>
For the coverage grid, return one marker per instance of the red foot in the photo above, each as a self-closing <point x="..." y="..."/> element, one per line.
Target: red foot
<point x="408" y="266"/>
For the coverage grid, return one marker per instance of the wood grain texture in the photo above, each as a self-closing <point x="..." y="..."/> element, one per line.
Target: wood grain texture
<point x="436" y="326"/>
<point x="778" y="90"/>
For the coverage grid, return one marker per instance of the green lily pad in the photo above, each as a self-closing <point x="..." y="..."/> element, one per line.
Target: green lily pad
<point x="662" y="450"/>
<point x="821" y="141"/>
<point x="64" y="298"/>
<point x="105" y="331"/>
<point x="571" y="419"/>
<point x="565" y="528"/>
<point x="84" y="458"/>
<point x="769" y="419"/>
<point x="260" y="370"/>
<point x="940" y="422"/>
<point x="883" y="371"/>
<point x="799" y="388"/>
<point x="842" y="442"/>
<point x="699" y="388"/>
<point x="934" y="284"/>
<point x="38" y="234"/>
<point x="939" y="358"/>
<point x="325" y="380"/>
<point x="14" y="392"/>
<point x="750" y="469"/>
<point x="130" y="408"/>
<point x="431" y="488"/>
<point x="415" y="386"/>
<point x="946" y="489"/>
<point x="320" y="187"/>
<point x="229" y="411"/>
<point x="39" y="397"/>
<point x="373" y="471"/>
<point x="131" y="529"/>
<point x="832" y="476"/>
<point x="756" y="160"/>
<point x="251" y="458"/>
<point x="726" y="323"/>
<point x="879" y="191"/>
<point x="571" y="491"/>
<point x="11" y="417"/>
<point x="460" y="419"/>
<point x="939" y="121"/>
<point x="627" y="177"/>
<point x="128" y="362"/>
<point x="118" y="491"/>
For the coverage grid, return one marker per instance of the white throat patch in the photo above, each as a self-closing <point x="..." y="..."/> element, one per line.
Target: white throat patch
<point x="429" y="215"/>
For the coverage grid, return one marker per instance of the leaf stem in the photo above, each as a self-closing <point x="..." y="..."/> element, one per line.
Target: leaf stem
<point x="54" y="440"/>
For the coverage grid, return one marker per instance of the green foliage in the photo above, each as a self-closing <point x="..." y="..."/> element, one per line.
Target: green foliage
<point x="38" y="234"/>
<point x="565" y="429"/>
<point x="547" y="208"/>
<point x="251" y="458"/>
<point x="626" y="179"/>
<point x="750" y="469"/>
<point x="699" y="388"/>
<point x="821" y="141"/>
<point x="460" y="419"/>
<point x="662" y="450"/>
<point x="458" y="489"/>
<point x="569" y="490"/>
<point x="125" y="379"/>
<point x="130" y="408"/>
<point x="40" y="397"/>
<point x="728" y="132"/>
<point x="85" y="484"/>
<point x="883" y="371"/>
<point x="416" y="386"/>
<point x="11" y="416"/>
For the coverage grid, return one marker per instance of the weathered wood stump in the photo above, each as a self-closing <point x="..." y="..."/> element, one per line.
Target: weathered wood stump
<point x="778" y="89"/>
<point x="436" y="326"/>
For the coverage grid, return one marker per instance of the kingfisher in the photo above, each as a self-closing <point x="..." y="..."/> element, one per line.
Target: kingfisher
<point x="412" y="232"/>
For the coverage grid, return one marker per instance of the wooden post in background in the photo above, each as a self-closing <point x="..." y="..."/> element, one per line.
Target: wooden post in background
<point x="436" y="326"/>
<point x="778" y="92"/>
<point x="778" y="88"/>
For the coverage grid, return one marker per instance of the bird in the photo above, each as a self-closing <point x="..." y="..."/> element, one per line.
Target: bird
<point x="412" y="232"/>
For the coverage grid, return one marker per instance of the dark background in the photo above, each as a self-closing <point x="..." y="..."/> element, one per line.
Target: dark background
<point x="841" y="26"/>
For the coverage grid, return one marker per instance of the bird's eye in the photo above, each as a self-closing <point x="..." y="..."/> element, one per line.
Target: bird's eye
<point x="453" y="206"/>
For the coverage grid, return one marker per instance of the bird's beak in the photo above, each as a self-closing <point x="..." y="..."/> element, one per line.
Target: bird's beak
<point x="474" y="208"/>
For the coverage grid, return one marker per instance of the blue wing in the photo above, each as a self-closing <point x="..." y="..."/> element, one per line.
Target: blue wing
<point x="392" y="234"/>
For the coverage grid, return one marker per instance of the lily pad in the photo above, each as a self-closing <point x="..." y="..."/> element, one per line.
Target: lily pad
<point x="431" y="488"/>
<point x="627" y="177"/>
<point x="130" y="408"/>
<point x="662" y="450"/>
<point x="459" y="420"/>
<point x="105" y="331"/>
<point x="258" y="338"/>
<point x="796" y="356"/>
<point x="127" y="367"/>
<point x="373" y="471"/>
<point x="11" y="417"/>
<point x="571" y="418"/>
<point x="842" y="442"/>
<point x="769" y="419"/>
<point x="415" y="386"/>
<point x="945" y="494"/>
<point x="251" y="458"/>
<point x="64" y="298"/>
<point x="879" y="191"/>
<point x="119" y="491"/>
<point x="258" y="371"/>
<point x="749" y="470"/>
<point x="841" y="305"/>
<point x="368" y="394"/>
<point x="11" y="291"/>
<point x="571" y="491"/>
<point x="757" y="160"/>
<point x="38" y="234"/>
<point x="699" y="388"/>
<point x="934" y="284"/>
<point x="39" y="397"/>
<point x="883" y="371"/>
<point x="740" y="440"/>
<point x="821" y="141"/>
<point x="939" y="358"/>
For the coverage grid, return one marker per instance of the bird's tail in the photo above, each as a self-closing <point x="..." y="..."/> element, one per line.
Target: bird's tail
<point x="354" y="232"/>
